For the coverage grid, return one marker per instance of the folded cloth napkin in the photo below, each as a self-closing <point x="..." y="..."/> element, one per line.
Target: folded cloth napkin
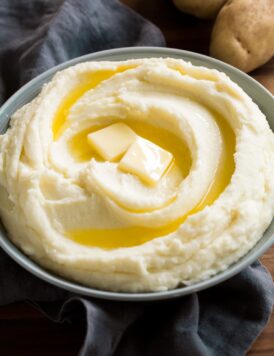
<point x="223" y="320"/>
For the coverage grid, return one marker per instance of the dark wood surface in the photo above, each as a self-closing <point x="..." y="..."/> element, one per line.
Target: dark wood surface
<point x="26" y="332"/>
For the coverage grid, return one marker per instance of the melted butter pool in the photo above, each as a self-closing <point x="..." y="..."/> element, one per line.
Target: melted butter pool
<point x="82" y="151"/>
<point x="133" y="236"/>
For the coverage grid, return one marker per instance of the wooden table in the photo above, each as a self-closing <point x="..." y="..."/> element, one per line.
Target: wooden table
<point x="23" y="330"/>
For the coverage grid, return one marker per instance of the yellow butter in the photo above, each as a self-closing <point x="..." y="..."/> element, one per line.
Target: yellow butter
<point x="113" y="141"/>
<point x="146" y="160"/>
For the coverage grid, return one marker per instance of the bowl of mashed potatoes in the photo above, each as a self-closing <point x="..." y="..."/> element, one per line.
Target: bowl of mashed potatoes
<point x="137" y="173"/>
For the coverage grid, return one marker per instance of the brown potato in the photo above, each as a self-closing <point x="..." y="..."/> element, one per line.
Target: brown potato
<point x="206" y="9"/>
<point x="243" y="34"/>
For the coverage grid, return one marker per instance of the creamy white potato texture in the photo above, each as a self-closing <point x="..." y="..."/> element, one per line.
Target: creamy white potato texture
<point x="86" y="219"/>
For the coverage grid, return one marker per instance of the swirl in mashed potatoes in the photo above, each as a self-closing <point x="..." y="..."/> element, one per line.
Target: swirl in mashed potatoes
<point x="83" y="217"/>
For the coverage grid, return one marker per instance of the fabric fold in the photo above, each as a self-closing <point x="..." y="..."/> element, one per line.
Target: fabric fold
<point x="222" y="320"/>
<point x="38" y="34"/>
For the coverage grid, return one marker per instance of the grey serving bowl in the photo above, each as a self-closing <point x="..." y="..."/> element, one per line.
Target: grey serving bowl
<point x="257" y="92"/>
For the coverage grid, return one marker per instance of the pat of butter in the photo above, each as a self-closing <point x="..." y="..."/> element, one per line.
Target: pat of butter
<point x="113" y="141"/>
<point x="146" y="160"/>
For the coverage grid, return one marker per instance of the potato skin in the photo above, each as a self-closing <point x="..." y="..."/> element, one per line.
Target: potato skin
<point x="206" y="9"/>
<point x="243" y="34"/>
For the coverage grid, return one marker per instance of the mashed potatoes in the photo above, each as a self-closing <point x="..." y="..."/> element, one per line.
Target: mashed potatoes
<point x="83" y="217"/>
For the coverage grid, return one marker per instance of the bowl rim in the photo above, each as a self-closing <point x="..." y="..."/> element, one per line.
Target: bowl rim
<point x="18" y="99"/>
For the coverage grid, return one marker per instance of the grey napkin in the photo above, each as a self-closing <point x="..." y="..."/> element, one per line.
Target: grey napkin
<point x="224" y="320"/>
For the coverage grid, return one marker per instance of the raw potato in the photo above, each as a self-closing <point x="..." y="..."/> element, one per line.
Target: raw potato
<point x="243" y="34"/>
<point x="206" y="9"/>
